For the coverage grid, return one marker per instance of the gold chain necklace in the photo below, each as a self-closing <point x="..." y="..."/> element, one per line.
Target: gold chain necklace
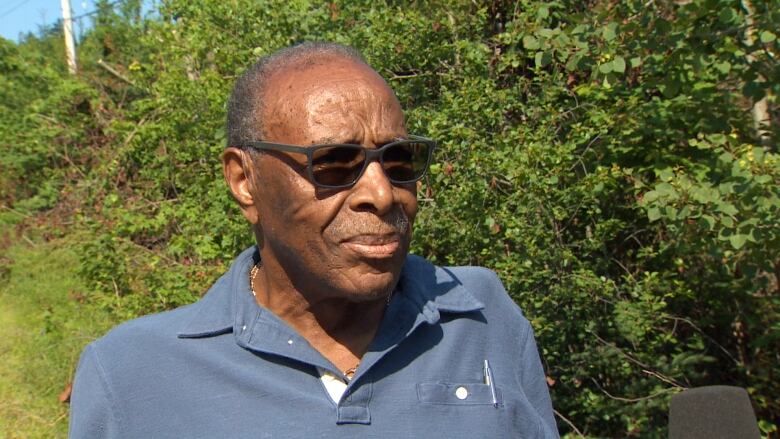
<point x="349" y="373"/>
<point x="252" y="274"/>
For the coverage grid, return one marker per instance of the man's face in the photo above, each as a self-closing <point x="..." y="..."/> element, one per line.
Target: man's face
<point x="348" y="243"/>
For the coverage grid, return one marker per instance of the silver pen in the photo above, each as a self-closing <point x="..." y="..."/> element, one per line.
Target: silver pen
<point x="488" y="376"/>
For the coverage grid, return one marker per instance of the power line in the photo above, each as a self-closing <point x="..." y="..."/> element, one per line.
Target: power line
<point x="13" y="8"/>
<point x="86" y="14"/>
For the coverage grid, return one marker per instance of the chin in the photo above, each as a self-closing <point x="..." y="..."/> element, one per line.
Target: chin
<point x="371" y="286"/>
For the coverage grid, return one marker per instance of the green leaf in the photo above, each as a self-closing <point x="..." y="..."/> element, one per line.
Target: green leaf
<point x="727" y="15"/>
<point x="709" y="220"/>
<point x="606" y="68"/>
<point x="542" y="59"/>
<point x="726" y="188"/>
<point x="619" y="64"/>
<point x="727" y="208"/>
<point x="723" y="67"/>
<point x="767" y="37"/>
<point x="530" y="42"/>
<point x="542" y="13"/>
<point x="650" y="196"/>
<point x="737" y="241"/>
<point x="762" y="179"/>
<point x="546" y="33"/>
<point x="703" y="195"/>
<point x="610" y="31"/>
<point x="653" y="214"/>
<point x="666" y="190"/>
<point x="718" y="139"/>
<point x="573" y="63"/>
<point x="748" y="222"/>
<point x="665" y="174"/>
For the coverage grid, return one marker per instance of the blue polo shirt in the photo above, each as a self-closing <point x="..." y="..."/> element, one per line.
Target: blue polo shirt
<point x="225" y="367"/>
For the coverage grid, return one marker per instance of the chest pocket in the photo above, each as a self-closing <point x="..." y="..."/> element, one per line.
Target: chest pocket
<point x="457" y="394"/>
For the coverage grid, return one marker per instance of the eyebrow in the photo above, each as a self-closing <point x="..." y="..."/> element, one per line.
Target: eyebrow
<point x="324" y="141"/>
<point x="332" y="140"/>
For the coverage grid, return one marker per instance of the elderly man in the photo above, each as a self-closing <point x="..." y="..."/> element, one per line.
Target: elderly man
<point x="326" y="328"/>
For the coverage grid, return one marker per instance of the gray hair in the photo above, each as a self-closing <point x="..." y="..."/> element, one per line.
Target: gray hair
<point x="245" y="107"/>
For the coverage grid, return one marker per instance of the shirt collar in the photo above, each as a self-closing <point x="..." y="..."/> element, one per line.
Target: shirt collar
<point x="229" y="304"/>
<point x="435" y="289"/>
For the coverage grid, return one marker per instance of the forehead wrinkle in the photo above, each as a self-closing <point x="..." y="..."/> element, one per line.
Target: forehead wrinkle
<point x="337" y="113"/>
<point x="322" y="97"/>
<point x="387" y="112"/>
<point x="333" y="114"/>
<point x="352" y="125"/>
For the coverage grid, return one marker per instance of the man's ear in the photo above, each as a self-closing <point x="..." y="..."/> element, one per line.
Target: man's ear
<point x="237" y="167"/>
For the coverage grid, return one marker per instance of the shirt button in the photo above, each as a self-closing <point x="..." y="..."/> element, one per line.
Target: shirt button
<point x="243" y="328"/>
<point x="289" y="341"/>
<point x="461" y="392"/>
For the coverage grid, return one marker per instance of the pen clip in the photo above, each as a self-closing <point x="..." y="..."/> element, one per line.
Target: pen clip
<point x="488" y="378"/>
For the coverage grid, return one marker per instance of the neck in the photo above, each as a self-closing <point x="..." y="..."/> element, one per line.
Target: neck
<point x="339" y="328"/>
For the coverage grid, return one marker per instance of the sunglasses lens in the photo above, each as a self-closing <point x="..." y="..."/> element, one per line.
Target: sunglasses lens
<point x="341" y="165"/>
<point x="337" y="165"/>
<point x="406" y="161"/>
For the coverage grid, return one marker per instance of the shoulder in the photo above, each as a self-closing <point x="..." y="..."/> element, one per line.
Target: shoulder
<point x="480" y="283"/>
<point x="210" y="315"/>
<point x="423" y="269"/>
<point x="145" y="334"/>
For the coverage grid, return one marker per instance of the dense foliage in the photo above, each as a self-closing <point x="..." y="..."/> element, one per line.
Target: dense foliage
<point x="601" y="156"/>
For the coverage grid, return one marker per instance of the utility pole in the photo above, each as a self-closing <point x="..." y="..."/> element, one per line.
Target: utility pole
<point x="760" y="110"/>
<point x="67" y="30"/>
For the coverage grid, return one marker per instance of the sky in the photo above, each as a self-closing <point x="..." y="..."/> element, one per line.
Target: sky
<point x="22" y="16"/>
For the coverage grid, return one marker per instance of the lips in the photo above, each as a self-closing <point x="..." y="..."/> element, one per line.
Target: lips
<point x="373" y="246"/>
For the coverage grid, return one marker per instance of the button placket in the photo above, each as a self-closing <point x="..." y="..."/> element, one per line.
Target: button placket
<point x="353" y="407"/>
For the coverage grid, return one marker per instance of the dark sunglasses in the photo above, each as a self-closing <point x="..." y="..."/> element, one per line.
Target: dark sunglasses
<point x="341" y="165"/>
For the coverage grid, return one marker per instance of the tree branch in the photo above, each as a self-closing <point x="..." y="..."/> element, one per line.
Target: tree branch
<point x="569" y="423"/>
<point x="114" y="72"/>
<point x="620" y="398"/>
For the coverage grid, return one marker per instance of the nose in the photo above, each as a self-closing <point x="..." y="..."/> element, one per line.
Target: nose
<point x="373" y="192"/>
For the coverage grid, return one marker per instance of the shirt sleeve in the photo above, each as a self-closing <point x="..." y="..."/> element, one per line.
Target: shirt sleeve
<point x="92" y="414"/>
<point x="534" y="384"/>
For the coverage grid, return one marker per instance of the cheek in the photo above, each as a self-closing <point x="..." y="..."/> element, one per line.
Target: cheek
<point x="407" y="197"/>
<point x="288" y="203"/>
<point x="301" y="217"/>
<point x="314" y="215"/>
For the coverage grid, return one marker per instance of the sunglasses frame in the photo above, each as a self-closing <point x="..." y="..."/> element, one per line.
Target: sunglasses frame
<point x="371" y="154"/>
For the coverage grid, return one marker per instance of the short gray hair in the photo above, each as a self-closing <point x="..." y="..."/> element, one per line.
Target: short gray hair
<point x="245" y="107"/>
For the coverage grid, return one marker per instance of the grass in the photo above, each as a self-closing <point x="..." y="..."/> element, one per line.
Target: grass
<point x="44" y="325"/>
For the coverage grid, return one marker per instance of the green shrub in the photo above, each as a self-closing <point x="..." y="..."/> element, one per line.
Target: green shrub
<point x="600" y="156"/>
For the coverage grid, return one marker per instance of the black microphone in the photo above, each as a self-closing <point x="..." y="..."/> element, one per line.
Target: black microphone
<point x="712" y="412"/>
